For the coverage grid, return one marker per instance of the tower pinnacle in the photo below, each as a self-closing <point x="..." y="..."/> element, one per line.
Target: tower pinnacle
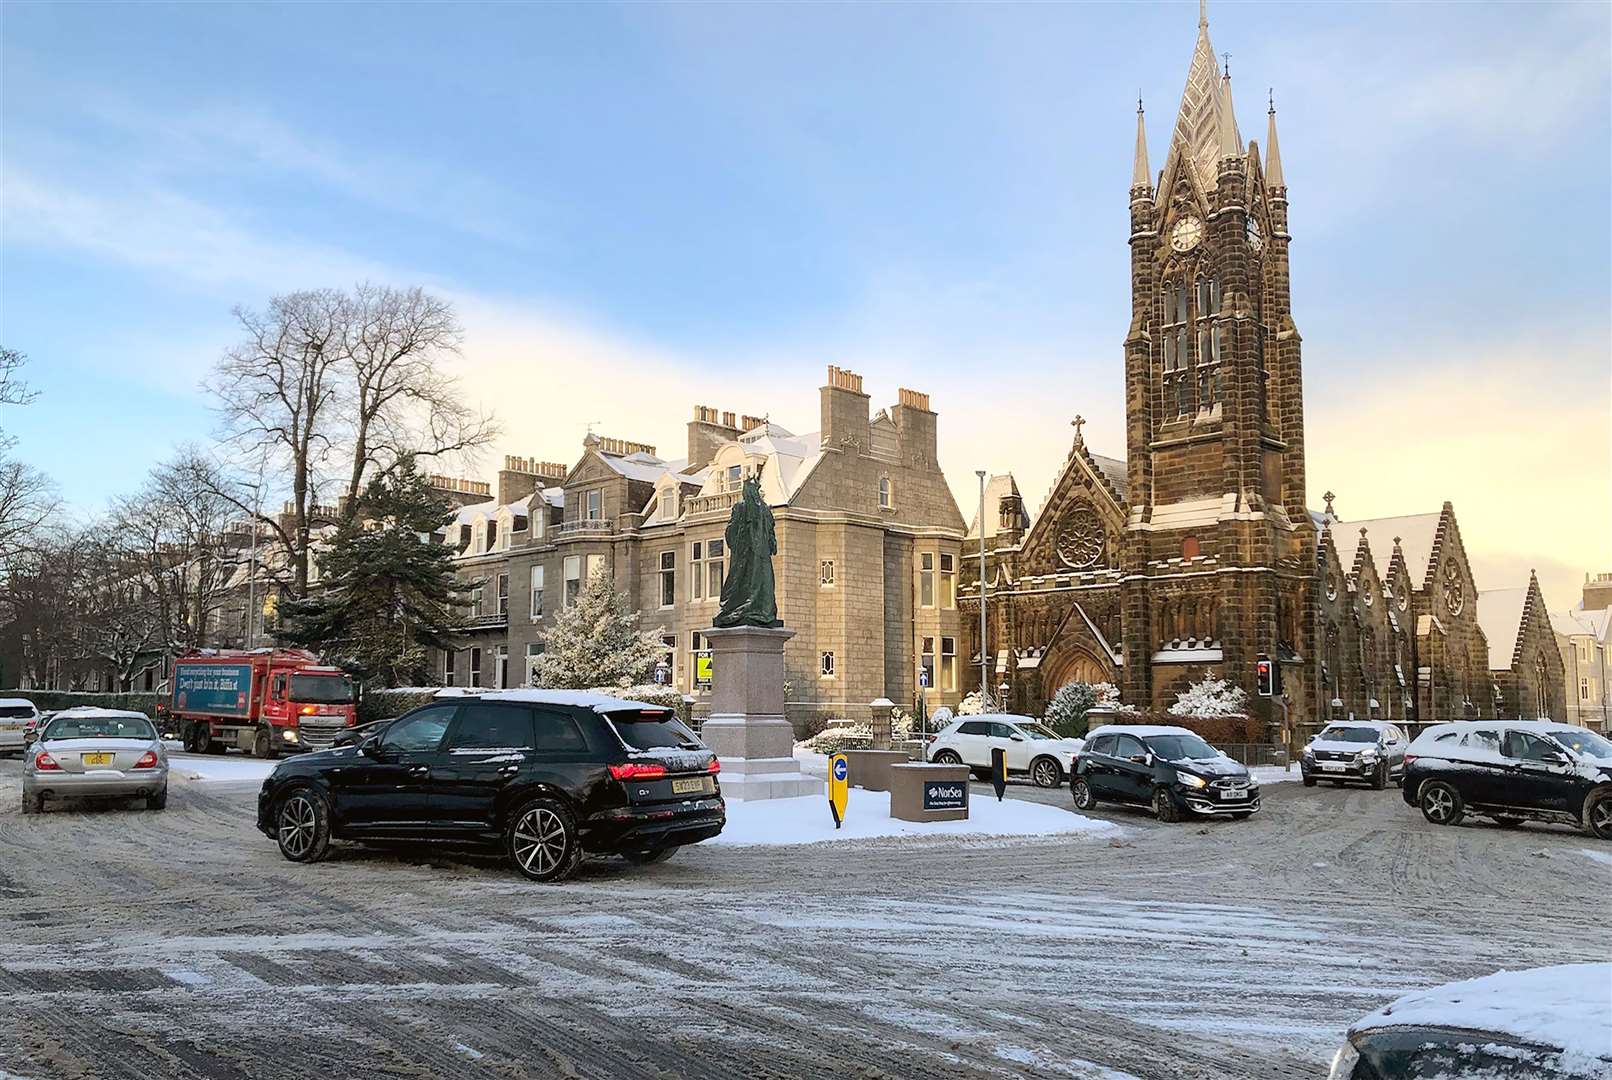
<point x="1141" y="175"/>
<point x="1273" y="152"/>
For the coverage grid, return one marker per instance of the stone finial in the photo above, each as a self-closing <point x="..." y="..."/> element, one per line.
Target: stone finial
<point x="1077" y="423"/>
<point x="1141" y="174"/>
<point x="1396" y="542"/>
<point x="1327" y="498"/>
<point x="1273" y="152"/>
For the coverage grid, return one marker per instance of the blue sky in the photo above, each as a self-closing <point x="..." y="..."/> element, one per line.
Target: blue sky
<point x="641" y="208"/>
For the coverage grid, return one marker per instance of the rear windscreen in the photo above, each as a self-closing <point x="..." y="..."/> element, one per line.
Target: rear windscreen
<point x="98" y="727"/>
<point x="648" y="731"/>
<point x="16" y="712"/>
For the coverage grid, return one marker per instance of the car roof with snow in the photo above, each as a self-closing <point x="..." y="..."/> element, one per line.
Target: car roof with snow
<point x="1547" y="1006"/>
<point x="1377" y="725"/>
<point x="1141" y="731"/>
<point x="1537" y="727"/>
<point x="576" y="699"/>
<point x="1004" y="717"/>
<point x="12" y="702"/>
<point x="96" y="710"/>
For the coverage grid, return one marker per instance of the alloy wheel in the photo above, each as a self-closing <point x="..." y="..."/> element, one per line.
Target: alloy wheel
<point x="298" y="823"/>
<point x="1046" y="774"/>
<point x="1601" y="818"/>
<point x="540" y="841"/>
<point x="1083" y="799"/>
<point x="1439" y="804"/>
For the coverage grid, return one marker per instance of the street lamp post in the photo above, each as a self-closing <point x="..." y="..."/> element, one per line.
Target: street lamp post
<point x="985" y="684"/>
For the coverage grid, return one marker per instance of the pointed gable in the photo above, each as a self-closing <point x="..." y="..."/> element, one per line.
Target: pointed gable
<point x="1083" y="481"/>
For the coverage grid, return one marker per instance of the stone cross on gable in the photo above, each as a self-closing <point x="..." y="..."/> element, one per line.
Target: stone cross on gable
<point x="1329" y="497"/>
<point x="1077" y="423"/>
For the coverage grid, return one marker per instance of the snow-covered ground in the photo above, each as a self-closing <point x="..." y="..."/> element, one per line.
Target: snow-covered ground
<point x="807" y="820"/>
<point x="208" y="768"/>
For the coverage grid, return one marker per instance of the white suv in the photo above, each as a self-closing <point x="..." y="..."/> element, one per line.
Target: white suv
<point x="1030" y="747"/>
<point x="15" y="716"/>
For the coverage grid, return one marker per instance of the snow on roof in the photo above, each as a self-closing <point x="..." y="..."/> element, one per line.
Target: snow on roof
<point x="1114" y="470"/>
<point x="1140" y="730"/>
<point x="1577" y="622"/>
<point x="14" y="702"/>
<point x="1500" y="613"/>
<point x="1557" y="1007"/>
<point x="1376" y="725"/>
<point x="555" y="497"/>
<point x="1417" y="534"/>
<point x="580" y="699"/>
<point x="635" y="466"/>
<point x="997" y="488"/>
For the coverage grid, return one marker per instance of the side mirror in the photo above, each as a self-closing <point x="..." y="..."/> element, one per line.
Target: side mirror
<point x="370" y="747"/>
<point x="1016" y="737"/>
<point x="1557" y="757"/>
<point x="1141" y="759"/>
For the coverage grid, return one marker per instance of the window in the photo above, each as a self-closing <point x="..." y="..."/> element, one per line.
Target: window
<point x="735" y="478"/>
<point x="699" y="651"/>
<point x="974" y="727"/>
<point x="705" y="569"/>
<point x="668" y="578"/>
<point x="1102" y="744"/>
<point x="556" y="733"/>
<point x="948" y="581"/>
<point x="485" y="726"/>
<point x="926" y="579"/>
<point x="884" y="493"/>
<point x="594" y="511"/>
<point x="475" y="667"/>
<point x="534" y="651"/>
<point x="475" y="601"/>
<point x="926" y="662"/>
<point x="828" y="665"/>
<point x="669" y="646"/>
<point x="668" y="505"/>
<point x="492" y="535"/>
<point x="503" y="595"/>
<point x="948" y="663"/>
<point x="501" y="667"/>
<point x="450" y="661"/>
<point x="1176" y="384"/>
<point x="1522" y="746"/>
<point x="827" y="573"/>
<point x="464" y="537"/>
<point x="537" y="593"/>
<point x="1129" y="746"/>
<point x="420" y="731"/>
<point x="1482" y="740"/>
<point x="596" y="568"/>
<point x="573" y="579"/>
<point x="1583" y="688"/>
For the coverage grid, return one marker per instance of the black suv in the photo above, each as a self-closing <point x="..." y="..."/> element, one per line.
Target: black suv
<point x="1170" y="769"/>
<point x="1511" y="771"/>
<point x="546" y="775"/>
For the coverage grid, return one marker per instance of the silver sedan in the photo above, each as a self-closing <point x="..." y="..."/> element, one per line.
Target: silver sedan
<point x="95" y="753"/>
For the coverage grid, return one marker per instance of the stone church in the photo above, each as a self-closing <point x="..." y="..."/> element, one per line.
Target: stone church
<point x="1196" y="553"/>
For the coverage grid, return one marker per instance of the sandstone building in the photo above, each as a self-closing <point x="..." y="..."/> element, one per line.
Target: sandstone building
<point x="867" y="569"/>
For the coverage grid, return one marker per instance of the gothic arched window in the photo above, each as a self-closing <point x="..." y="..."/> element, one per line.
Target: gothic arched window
<point x="1174" y="330"/>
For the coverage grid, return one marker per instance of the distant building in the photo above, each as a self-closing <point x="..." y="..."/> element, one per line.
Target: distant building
<point x="1582" y="637"/>
<point x="869" y="542"/>
<point x="1524" y="658"/>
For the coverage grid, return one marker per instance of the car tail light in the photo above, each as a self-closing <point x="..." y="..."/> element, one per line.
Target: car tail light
<point x="931" y="738"/>
<point x="148" y="760"/>
<point x="634" y="771"/>
<point x="716" y="766"/>
<point x="45" y="763"/>
<point x="1408" y="759"/>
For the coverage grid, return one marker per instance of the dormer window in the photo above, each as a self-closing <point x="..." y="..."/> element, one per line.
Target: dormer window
<point x="668" y="505"/>
<point x="492" y="535"/>
<point x="464" y="537"/>
<point x="735" y="477"/>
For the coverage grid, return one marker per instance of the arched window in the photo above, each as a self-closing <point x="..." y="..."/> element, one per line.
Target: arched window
<point x="1176" y="384"/>
<point x="1190" y="548"/>
<point x="886" y="496"/>
<point x="1542" y="684"/>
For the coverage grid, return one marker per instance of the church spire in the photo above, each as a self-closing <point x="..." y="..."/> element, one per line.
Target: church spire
<point x="1196" y="141"/>
<point x="1231" y="144"/>
<point x="1141" y="175"/>
<point x="1273" y="153"/>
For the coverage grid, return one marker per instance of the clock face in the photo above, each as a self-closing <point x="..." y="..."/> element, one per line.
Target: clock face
<point x="1080" y="543"/>
<point x="1187" y="234"/>
<point x="1454" y="593"/>
<point x="1256" y="239"/>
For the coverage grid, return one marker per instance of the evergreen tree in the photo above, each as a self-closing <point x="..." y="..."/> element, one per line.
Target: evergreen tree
<point x="1211" y="697"/>
<point x="595" y="641"/>
<point x="388" y="590"/>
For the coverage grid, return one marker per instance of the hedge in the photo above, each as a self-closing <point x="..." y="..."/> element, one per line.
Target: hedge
<point x="52" y="700"/>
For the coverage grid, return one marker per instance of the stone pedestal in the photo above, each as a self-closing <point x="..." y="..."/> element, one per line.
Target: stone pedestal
<point x="920" y="792"/>
<point x="746" y="728"/>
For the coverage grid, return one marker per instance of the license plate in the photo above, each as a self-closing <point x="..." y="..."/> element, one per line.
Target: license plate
<point x="690" y="787"/>
<point x="1231" y="795"/>
<point x="1334" y="766"/>
<point x="97" y="759"/>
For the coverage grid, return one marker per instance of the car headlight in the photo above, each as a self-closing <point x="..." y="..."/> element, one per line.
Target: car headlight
<point x="1368" y="755"/>
<point x="1343" y="1062"/>
<point x="1188" y="780"/>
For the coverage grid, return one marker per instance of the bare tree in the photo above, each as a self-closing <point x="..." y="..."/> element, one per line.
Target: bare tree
<point x="13" y="391"/>
<point x="27" y="500"/>
<point x="402" y="402"/>
<point x="278" y="391"/>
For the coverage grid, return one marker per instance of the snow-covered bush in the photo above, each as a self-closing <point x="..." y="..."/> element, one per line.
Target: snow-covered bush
<point x="1211" y="697"/>
<point x="975" y="703"/>
<point x="648" y="693"/>
<point x="837" y="737"/>
<point x="1067" y="712"/>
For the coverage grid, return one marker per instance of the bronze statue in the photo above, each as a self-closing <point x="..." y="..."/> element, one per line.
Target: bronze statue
<point x="748" y="595"/>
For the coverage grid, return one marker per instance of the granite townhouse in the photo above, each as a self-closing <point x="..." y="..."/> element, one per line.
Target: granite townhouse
<point x="869" y="550"/>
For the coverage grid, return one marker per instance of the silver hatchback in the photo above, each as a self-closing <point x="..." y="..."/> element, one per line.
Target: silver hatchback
<point x="95" y="753"/>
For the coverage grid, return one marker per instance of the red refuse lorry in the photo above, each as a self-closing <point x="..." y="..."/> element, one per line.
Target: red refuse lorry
<point x="263" y="701"/>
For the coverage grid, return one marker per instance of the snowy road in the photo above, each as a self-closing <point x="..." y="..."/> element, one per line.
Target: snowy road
<point x="179" y="944"/>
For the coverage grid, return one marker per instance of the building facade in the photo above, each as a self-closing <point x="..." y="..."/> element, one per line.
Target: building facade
<point x="1196" y="554"/>
<point x="1582" y="639"/>
<point x="869" y="542"/>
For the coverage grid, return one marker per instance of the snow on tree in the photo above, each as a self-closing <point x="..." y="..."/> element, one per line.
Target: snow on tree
<point x="973" y="704"/>
<point x="1067" y="711"/>
<point x="1211" y="697"/>
<point x="596" y="642"/>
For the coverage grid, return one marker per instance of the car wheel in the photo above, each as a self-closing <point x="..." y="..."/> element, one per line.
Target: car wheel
<point x="195" y="739"/>
<point x="541" y="840"/>
<point x="1598" y="814"/>
<point x="1441" y="804"/>
<point x="947" y="757"/>
<point x="159" y="801"/>
<point x="647" y="858"/>
<point x="1046" y="772"/>
<point x="1379" y="779"/>
<point x="1309" y="781"/>
<point x="1506" y="821"/>
<point x="302" y="825"/>
<point x="1085" y="797"/>
<point x="1164" y="805"/>
<point x="262" y="744"/>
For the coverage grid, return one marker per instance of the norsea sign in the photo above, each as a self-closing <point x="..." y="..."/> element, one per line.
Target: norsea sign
<point x="945" y="795"/>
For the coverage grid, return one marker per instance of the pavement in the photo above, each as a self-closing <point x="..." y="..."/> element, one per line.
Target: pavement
<point x="180" y="944"/>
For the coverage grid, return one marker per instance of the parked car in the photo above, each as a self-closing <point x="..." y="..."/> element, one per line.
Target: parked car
<point x="1031" y="748"/>
<point x="545" y="775"/>
<point x="1170" y="769"/>
<point x="1511" y="771"/>
<point x="95" y="753"/>
<point x="1551" y="1023"/>
<point x="16" y="716"/>
<point x="1369" y="750"/>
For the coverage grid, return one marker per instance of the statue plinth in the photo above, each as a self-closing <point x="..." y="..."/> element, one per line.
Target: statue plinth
<point x="747" y="728"/>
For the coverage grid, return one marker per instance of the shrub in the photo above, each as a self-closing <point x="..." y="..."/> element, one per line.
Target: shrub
<point x="1210" y="697"/>
<point x="1068" y="712"/>
<point x="975" y="703"/>
<point x="832" y="740"/>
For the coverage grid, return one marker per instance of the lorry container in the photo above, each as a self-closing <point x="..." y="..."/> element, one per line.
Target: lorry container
<point x="264" y="702"/>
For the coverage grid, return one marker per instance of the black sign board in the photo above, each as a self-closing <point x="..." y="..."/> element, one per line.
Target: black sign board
<point x="999" y="771"/>
<point x="945" y="794"/>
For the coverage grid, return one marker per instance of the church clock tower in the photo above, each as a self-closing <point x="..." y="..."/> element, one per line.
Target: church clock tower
<point x="1218" y="547"/>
